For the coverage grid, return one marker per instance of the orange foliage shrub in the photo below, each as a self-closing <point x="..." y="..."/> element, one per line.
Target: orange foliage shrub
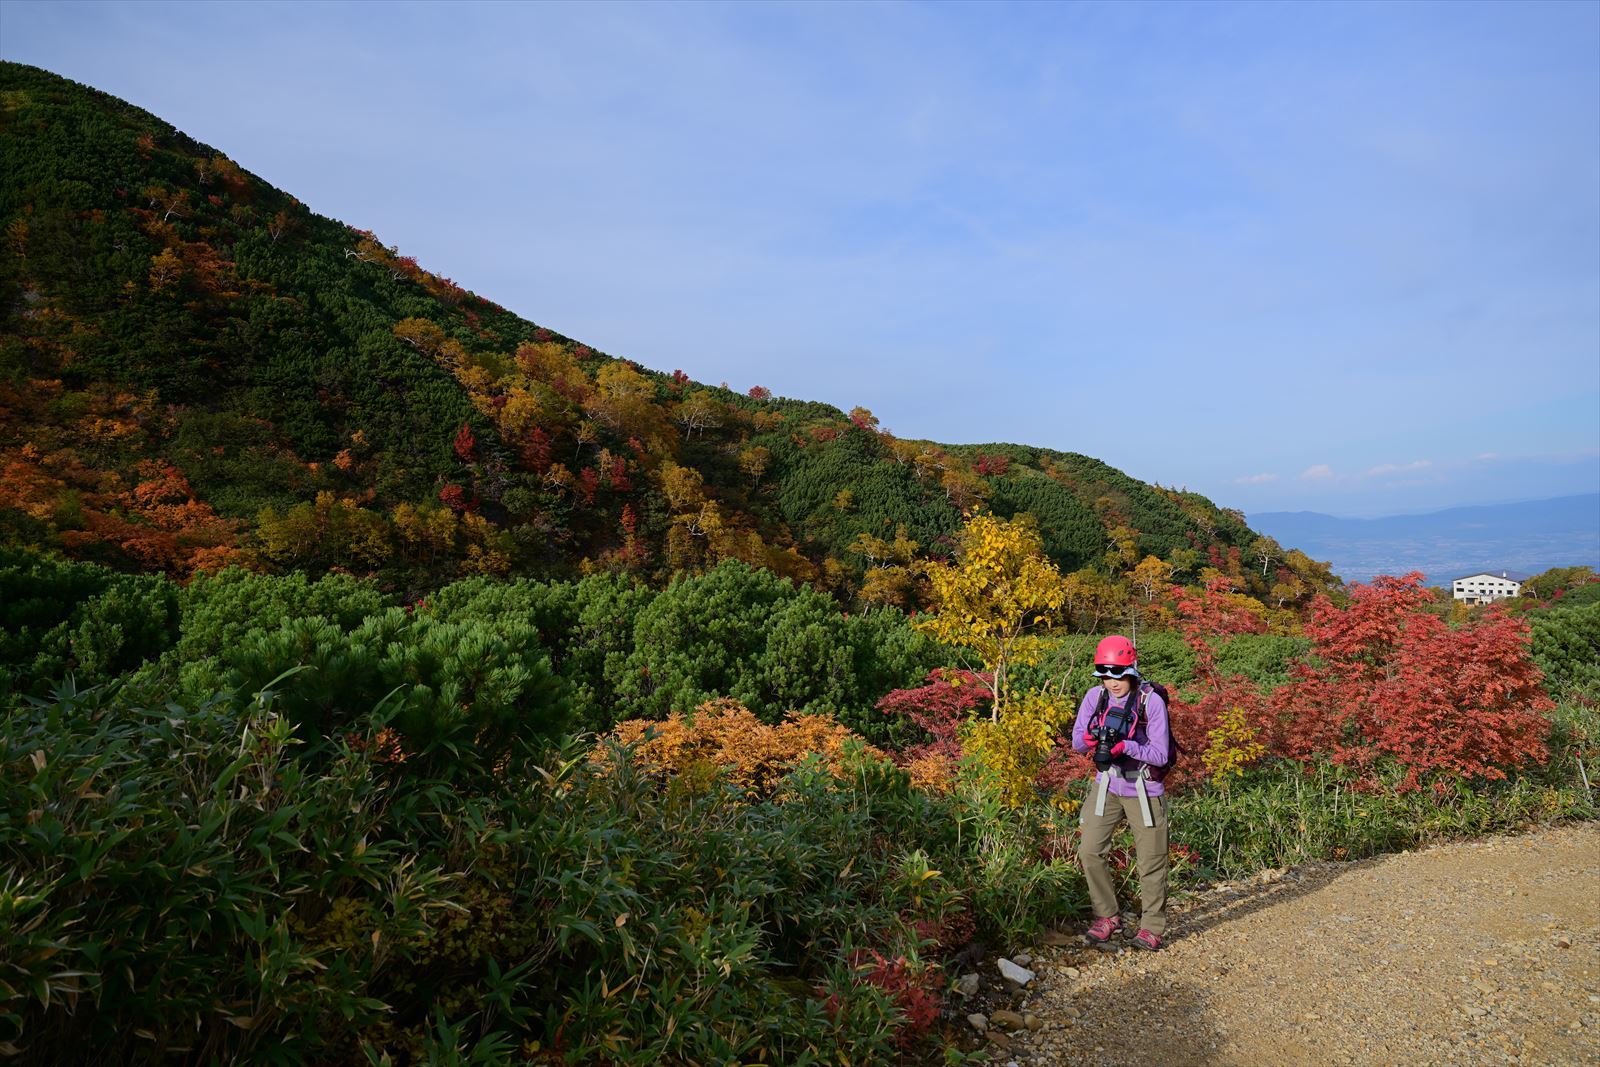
<point x="933" y="772"/>
<point x="726" y="735"/>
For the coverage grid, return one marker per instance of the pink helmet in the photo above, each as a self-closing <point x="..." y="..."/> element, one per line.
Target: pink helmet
<point x="1116" y="651"/>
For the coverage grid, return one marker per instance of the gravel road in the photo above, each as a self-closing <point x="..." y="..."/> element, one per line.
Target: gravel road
<point x="1484" y="952"/>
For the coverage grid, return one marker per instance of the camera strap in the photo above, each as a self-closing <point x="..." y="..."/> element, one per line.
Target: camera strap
<point x="1134" y="706"/>
<point x="1144" y="801"/>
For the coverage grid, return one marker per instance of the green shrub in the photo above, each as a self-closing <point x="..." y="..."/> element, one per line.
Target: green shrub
<point x="215" y="612"/>
<point x="79" y="619"/>
<point x="1265" y="659"/>
<point x="771" y="645"/>
<point x="163" y="869"/>
<point x="701" y="638"/>
<point x="216" y="898"/>
<point x="1566" y="646"/>
<point x="1583" y="595"/>
<point x="602" y="639"/>
<point x="1073" y="535"/>
<point x="551" y="608"/>
<point x="459" y="694"/>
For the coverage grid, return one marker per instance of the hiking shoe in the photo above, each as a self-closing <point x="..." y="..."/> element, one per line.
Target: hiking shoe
<point x="1146" y="940"/>
<point x="1101" y="931"/>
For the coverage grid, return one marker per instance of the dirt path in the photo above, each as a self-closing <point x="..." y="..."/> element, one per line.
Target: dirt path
<point x="1483" y="952"/>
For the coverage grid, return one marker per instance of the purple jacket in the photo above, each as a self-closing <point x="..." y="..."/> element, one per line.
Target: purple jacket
<point x="1158" y="737"/>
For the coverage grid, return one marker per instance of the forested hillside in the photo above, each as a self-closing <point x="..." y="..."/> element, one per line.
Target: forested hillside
<point x="196" y="370"/>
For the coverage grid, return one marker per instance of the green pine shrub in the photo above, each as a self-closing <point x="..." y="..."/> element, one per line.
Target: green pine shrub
<point x="1566" y="646"/>
<point x="60" y="619"/>
<point x="458" y="694"/>
<point x="770" y="644"/>
<point x="1265" y="659"/>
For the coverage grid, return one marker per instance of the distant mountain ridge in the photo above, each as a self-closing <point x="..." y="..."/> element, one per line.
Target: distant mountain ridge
<point x="1531" y="536"/>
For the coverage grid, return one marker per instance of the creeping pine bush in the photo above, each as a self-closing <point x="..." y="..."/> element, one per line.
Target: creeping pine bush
<point x="180" y="883"/>
<point x="1566" y="645"/>
<point x="457" y="695"/>
<point x="770" y="644"/>
<point x="59" y="618"/>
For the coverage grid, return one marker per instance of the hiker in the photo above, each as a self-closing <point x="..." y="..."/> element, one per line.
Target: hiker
<point x="1132" y="753"/>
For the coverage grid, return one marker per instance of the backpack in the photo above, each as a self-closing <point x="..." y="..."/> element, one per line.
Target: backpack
<point x="1156" y="773"/>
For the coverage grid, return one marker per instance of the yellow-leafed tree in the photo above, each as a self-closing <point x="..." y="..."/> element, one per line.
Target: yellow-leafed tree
<point x="998" y="593"/>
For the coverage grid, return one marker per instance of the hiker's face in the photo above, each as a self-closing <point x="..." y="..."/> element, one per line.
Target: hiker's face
<point x="1118" y="687"/>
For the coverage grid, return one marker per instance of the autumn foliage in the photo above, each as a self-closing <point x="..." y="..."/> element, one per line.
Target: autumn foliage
<point x="1389" y="681"/>
<point x="914" y="991"/>
<point x="726" y="737"/>
<point x="1205" y="616"/>
<point x="940" y="708"/>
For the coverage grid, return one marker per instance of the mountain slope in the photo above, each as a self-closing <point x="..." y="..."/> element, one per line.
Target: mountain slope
<point x="197" y="369"/>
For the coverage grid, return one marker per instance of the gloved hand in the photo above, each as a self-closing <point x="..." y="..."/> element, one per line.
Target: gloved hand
<point x="1087" y="740"/>
<point x="1120" y="748"/>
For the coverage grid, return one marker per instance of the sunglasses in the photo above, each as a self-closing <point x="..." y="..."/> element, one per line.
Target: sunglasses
<point x="1106" y="670"/>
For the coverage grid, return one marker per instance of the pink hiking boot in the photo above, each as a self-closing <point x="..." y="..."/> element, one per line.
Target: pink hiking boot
<point x="1146" y="940"/>
<point x="1102" y="930"/>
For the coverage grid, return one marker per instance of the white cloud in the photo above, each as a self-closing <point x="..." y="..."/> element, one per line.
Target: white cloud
<point x="1318" y="473"/>
<point x="1255" y="479"/>
<point x="1398" y="468"/>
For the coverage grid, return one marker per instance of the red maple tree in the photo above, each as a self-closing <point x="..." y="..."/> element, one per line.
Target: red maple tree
<point x="465" y="444"/>
<point x="1390" y="682"/>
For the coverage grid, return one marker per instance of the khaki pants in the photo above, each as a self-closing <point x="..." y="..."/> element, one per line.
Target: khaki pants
<point x="1150" y="844"/>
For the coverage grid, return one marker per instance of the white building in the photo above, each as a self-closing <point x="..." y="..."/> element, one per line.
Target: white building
<point x="1485" y="586"/>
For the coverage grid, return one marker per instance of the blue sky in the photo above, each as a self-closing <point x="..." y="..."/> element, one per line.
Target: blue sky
<point x="1341" y="257"/>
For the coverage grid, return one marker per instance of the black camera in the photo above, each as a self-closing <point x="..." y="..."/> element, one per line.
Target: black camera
<point x="1115" y="726"/>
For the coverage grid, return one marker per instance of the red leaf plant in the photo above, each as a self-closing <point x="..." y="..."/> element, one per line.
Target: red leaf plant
<point x="1387" y="679"/>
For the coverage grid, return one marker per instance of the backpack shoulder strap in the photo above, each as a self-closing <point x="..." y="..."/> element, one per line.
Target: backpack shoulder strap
<point x="1101" y="701"/>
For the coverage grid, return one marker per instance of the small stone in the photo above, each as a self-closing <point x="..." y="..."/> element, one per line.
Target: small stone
<point x="1023" y="959"/>
<point x="967" y="984"/>
<point x="1477" y="1012"/>
<point x="1010" y="1020"/>
<point x="999" y="1040"/>
<point x="1562" y="942"/>
<point x="1057" y="939"/>
<point x="1491" y="963"/>
<point x="1011" y="972"/>
<point x="1072" y="972"/>
<point x="978" y="1021"/>
<point x="1032" y="1022"/>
